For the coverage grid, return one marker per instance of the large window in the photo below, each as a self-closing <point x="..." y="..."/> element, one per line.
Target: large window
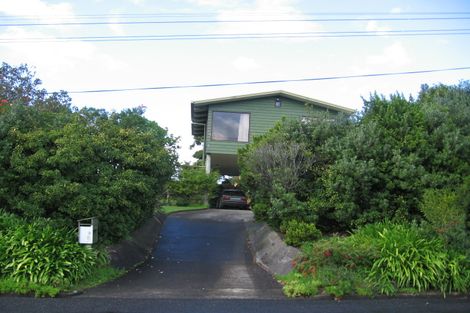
<point x="230" y="126"/>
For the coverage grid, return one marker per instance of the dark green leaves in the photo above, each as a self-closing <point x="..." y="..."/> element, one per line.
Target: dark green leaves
<point x="68" y="164"/>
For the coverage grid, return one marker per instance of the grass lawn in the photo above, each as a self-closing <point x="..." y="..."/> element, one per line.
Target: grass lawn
<point x="99" y="276"/>
<point x="168" y="209"/>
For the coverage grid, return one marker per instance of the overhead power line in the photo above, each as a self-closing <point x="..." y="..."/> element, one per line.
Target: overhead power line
<point x="215" y="14"/>
<point x="111" y="22"/>
<point x="223" y="36"/>
<point x="271" y="81"/>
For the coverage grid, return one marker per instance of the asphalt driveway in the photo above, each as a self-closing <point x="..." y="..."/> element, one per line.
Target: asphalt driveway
<point x="201" y="254"/>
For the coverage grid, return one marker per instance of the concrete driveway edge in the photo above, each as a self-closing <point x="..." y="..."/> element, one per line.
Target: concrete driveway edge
<point x="269" y="250"/>
<point x="135" y="250"/>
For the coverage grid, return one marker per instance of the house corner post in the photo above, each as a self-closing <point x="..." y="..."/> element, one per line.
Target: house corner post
<point x="208" y="171"/>
<point x="208" y="164"/>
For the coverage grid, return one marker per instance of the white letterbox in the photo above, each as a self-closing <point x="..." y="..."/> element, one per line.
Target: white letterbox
<point x="88" y="231"/>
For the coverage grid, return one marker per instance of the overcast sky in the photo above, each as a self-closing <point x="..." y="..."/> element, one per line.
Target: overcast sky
<point x="77" y="64"/>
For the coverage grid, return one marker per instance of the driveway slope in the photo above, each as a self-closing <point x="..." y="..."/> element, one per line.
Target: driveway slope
<point x="201" y="254"/>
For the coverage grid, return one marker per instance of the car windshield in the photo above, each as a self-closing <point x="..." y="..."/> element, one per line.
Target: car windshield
<point x="234" y="193"/>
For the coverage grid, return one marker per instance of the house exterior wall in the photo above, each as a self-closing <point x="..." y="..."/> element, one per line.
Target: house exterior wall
<point x="263" y="116"/>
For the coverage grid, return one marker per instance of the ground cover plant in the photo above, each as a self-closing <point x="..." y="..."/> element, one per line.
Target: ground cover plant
<point x="381" y="258"/>
<point x="43" y="258"/>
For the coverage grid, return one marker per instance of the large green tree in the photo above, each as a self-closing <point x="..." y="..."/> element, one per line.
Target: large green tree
<point x="71" y="164"/>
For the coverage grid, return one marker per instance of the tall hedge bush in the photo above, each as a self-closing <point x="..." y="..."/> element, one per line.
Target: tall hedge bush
<point x="372" y="166"/>
<point x="67" y="164"/>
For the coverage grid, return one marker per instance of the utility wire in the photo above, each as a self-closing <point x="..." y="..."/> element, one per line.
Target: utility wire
<point x="211" y="14"/>
<point x="236" y="21"/>
<point x="317" y="34"/>
<point x="245" y="12"/>
<point x="272" y="81"/>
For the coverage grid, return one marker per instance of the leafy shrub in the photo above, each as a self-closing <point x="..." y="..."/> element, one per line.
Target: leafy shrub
<point x="339" y="264"/>
<point x="63" y="163"/>
<point x="409" y="259"/>
<point x="384" y="258"/>
<point x="298" y="285"/>
<point x="9" y="285"/>
<point x="340" y="289"/>
<point x="260" y="211"/>
<point x="8" y="222"/>
<point x="463" y="200"/>
<point x="192" y="184"/>
<point x="446" y="217"/>
<point x="358" y="250"/>
<point x="282" y="206"/>
<point x="375" y="166"/>
<point x="273" y="170"/>
<point x="334" y="280"/>
<point x="298" y="232"/>
<point x="39" y="253"/>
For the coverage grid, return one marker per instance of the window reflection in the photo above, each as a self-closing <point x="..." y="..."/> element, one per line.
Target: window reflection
<point x="230" y="126"/>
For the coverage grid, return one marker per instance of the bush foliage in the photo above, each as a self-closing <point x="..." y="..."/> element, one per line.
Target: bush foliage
<point x="445" y="217"/>
<point x="342" y="172"/>
<point x="191" y="185"/>
<point x="63" y="163"/>
<point x="379" y="258"/>
<point x="299" y="232"/>
<point x="42" y="253"/>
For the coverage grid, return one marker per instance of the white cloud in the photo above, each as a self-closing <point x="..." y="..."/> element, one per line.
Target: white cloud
<point x="37" y="9"/>
<point x="51" y="58"/>
<point x="47" y="55"/>
<point x="373" y="26"/>
<point x="116" y="29"/>
<point x="56" y="60"/>
<point x="244" y="64"/>
<point x="265" y="11"/>
<point x="394" y="55"/>
<point x="396" y="10"/>
<point x="215" y="3"/>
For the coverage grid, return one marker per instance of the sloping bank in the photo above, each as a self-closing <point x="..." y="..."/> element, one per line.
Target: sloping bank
<point x="137" y="248"/>
<point x="269" y="250"/>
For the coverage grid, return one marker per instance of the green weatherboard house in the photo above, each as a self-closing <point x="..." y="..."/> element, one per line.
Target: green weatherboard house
<point x="227" y="124"/>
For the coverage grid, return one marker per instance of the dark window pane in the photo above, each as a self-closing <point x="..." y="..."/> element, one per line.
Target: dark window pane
<point x="230" y="126"/>
<point x="234" y="193"/>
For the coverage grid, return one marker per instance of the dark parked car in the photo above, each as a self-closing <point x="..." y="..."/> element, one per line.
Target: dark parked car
<point x="232" y="198"/>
